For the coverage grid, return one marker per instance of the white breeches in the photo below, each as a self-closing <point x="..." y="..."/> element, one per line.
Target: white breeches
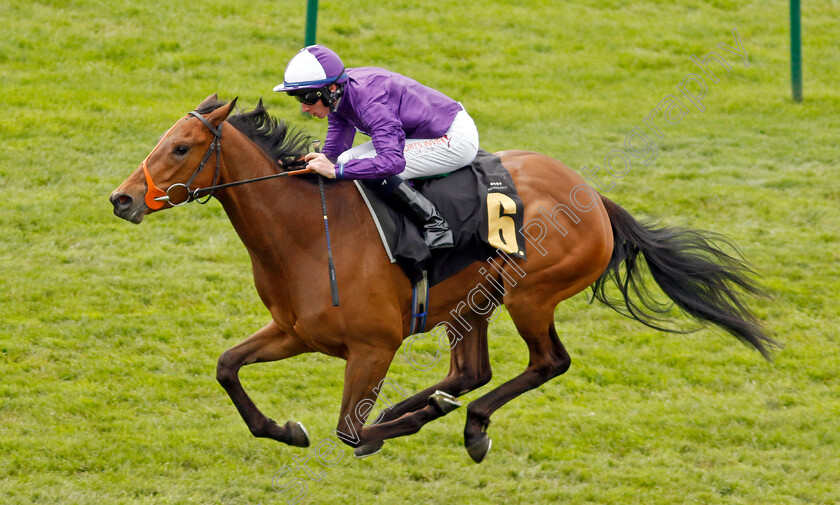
<point x="428" y="157"/>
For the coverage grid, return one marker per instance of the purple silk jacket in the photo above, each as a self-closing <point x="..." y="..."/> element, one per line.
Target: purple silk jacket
<point x="388" y="107"/>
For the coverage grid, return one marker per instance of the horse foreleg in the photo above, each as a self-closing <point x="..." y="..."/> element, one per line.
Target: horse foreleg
<point x="268" y="344"/>
<point x="365" y="371"/>
<point x="469" y="369"/>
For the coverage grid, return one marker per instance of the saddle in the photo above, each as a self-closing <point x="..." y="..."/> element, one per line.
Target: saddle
<point x="482" y="207"/>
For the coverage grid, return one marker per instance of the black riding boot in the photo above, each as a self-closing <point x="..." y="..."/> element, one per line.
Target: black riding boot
<point x="418" y="208"/>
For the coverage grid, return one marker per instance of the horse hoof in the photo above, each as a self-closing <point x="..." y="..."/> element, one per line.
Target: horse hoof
<point x="368" y="449"/>
<point x="479" y="449"/>
<point x="298" y="437"/>
<point x="444" y="402"/>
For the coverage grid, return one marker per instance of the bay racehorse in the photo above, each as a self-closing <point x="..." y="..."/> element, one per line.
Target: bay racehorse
<point x="591" y="242"/>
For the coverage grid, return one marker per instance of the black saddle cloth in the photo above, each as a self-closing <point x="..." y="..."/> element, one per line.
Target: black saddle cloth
<point x="475" y="200"/>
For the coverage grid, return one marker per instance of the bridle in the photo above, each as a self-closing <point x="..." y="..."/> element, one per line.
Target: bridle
<point x="156" y="198"/>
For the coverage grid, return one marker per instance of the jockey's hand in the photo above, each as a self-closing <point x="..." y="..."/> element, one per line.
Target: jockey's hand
<point x="321" y="164"/>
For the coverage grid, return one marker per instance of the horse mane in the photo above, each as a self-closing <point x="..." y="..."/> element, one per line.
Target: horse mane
<point x="273" y="136"/>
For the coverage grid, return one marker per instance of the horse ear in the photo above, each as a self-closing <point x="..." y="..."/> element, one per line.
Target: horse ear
<point x="220" y="114"/>
<point x="212" y="98"/>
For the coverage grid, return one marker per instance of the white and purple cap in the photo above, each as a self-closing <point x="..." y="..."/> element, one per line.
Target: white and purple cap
<point x="312" y="67"/>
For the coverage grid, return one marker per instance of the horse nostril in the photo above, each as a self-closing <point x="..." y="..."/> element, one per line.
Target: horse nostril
<point x="121" y="201"/>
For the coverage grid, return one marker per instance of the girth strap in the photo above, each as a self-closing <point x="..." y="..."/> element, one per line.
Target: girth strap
<point x="420" y="305"/>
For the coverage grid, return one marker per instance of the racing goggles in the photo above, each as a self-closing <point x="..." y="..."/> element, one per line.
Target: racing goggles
<point x="309" y="96"/>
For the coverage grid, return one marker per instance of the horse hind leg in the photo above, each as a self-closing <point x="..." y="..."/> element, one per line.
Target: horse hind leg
<point x="547" y="359"/>
<point x="268" y="344"/>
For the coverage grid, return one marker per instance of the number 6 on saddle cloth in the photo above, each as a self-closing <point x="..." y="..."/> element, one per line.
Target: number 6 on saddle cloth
<point x="483" y="209"/>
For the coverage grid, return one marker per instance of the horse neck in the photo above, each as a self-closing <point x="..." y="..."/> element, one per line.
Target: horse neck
<point x="266" y="213"/>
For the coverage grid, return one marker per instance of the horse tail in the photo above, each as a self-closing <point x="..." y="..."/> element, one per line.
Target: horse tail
<point x="691" y="269"/>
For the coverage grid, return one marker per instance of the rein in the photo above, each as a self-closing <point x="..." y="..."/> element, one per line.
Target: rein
<point x="211" y="189"/>
<point x="156" y="198"/>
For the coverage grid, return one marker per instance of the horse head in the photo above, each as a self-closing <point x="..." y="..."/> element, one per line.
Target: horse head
<point x="176" y="164"/>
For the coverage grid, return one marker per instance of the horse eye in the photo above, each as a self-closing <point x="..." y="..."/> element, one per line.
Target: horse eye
<point x="181" y="150"/>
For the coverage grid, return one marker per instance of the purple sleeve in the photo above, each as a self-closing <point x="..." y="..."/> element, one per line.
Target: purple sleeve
<point x="388" y="139"/>
<point x="340" y="135"/>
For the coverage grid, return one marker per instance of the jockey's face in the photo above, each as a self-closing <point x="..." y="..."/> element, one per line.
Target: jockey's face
<point x="318" y="109"/>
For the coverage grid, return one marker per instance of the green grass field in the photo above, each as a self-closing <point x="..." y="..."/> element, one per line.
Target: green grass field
<point x="109" y="332"/>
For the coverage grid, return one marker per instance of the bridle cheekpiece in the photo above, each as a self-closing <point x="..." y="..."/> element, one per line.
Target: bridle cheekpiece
<point x="156" y="198"/>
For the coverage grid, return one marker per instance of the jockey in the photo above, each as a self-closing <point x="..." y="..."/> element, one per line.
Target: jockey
<point x="415" y="131"/>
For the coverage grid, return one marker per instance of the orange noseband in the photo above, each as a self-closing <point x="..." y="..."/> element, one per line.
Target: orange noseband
<point x="153" y="192"/>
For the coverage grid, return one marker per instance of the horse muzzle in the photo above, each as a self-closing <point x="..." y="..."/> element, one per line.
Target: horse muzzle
<point x="128" y="207"/>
